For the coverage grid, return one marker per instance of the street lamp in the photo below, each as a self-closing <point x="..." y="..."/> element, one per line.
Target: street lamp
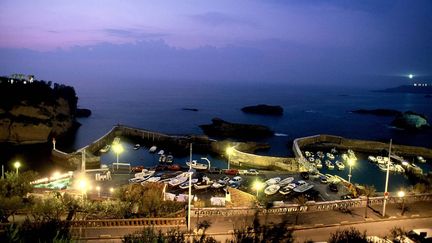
<point x="351" y="163"/>
<point x="98" y="190"/>
<point x="401" y="194"/>
<point x="229" y="151"/>
<point x="258" y="185"/>
<point x="17" y="164"/>
<point x="118" y="149"/>
<point x="83" y="186"/>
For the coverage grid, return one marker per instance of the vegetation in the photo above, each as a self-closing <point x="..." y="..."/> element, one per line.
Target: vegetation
<point x="149" y="234"/>
<point x="348" y="235"/>
<point x="35" y="93"/>
<point x="147" y="201"/>
<point x="368" y="191"/>
<point x="13" y="193"/>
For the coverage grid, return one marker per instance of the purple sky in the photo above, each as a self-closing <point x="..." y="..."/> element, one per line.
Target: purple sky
<point x="329" y="41"/>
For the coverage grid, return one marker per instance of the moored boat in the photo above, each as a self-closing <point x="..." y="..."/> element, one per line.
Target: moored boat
<point x="311" y="159"/>
<point x="303" y="188"/>
<point x="137" y="146"/>
<point x="330" y="156"/>
<point x="340" y="165"/>
<point x="151" y="179"/>
<point x="329" y="164"/>
<point x="273" y="181"/>
<point x="169" y="159"/>
<point x="372" y="159"/>
<point x="286" y="181"/>
<point x="285" y="190"/>
<point x="198" y="166"/>
<point x="152" y="149"/>
<point x="179" y="179"/>
<point x="318" y="163"/>
<point x="421" y="159"/>
<point x="185" y="185"/>
<point x="272" y="189"/>
<point x="105" y="149"/>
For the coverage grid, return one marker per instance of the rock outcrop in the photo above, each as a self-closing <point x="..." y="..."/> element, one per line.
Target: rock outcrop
<point x="221" y="128"/>
<point x="83" y="112"/>
<point x="264" y="110"/>
<point x="378" y="112"/>
<point x="33" y="112"/>
<point x="410" y="121"/>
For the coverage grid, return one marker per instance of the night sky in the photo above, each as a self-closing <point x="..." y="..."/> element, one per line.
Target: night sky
<point x="369" y="42"/>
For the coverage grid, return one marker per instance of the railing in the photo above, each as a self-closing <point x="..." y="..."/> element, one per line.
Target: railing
<point x="130" y="222"/>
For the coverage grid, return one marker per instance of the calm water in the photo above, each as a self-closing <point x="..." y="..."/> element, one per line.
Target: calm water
<point x="308" y="110"/>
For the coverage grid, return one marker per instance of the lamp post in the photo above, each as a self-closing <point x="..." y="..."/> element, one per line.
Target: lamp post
<point x="351" y="162"/>
<point x="118" y="149"/>
<point x="258" y="186"/>
<point x="83" y="186"/>
<point x="387" y="181"/>
<point x="229" y="151"/>
<point x="190" y="191"/>
<point x="98" y="190"/>
<point x="401" y="194"/>
<point x="17" y="165"/>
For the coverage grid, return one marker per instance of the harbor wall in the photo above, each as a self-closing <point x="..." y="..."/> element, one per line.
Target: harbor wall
<point x="263" y="162"/>
<point x="365" y="146"/>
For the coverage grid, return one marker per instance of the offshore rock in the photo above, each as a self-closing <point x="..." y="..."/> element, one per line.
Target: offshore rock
<point x="264" y="109"/>
<point x="83" y="112"/>
<point x="378" y="112"/>
<point x="221" y="128"/>
<point x="411" y="121"/>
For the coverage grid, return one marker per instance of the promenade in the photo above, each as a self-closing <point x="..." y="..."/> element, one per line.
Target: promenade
<point x="316" y="226"/>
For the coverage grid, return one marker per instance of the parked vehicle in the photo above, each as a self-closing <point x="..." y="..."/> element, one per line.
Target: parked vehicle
<point x="231" y="172"/>
<point x="251" y="172"/>
<point x="236" y="179"/>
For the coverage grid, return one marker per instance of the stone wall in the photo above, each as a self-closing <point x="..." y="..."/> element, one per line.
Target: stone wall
<point x="263" y="162"/>
<point x="359" y="145"/>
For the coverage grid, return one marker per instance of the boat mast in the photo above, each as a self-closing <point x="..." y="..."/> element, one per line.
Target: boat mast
<point x="387" y="180"/>
<point x="190" y="188"/>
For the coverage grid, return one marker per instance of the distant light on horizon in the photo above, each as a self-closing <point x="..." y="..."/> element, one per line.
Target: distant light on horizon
<point x="411" y="76"/>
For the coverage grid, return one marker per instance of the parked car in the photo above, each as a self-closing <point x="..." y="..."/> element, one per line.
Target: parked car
<point x="333" y="187"/>
<point x="215" y="170"/>
<point x="231" y="172"/>
<point x="251" y="172"/>
<point x="223" y="180"/>
<point x="236" y="179"/>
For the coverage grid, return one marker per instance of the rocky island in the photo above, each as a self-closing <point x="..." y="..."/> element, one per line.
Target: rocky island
<point x="411" y="121"/>
<point x="221" y="128"/>
<point x="264" y="109"/>
<point x="33" y="111"/>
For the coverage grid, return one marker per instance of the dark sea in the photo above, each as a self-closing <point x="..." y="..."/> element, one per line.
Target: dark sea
<point x="308" y="110"/>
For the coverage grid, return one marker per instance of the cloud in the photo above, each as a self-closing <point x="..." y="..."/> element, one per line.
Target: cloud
<point x="136" y="34"/>
<point x="218" y="18"/>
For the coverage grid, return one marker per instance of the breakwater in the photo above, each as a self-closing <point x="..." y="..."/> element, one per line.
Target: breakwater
<point x="364" y="146"/>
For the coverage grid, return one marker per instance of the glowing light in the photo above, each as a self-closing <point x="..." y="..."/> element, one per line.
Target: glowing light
<point x="401" y="194"/>
<point x="17" y="164"/>
<point x="55" y="175"/>
<point x="229" y="150"/>
<point x="258" y="185"/>
<point x="111" y="190"/>
<point x="351" y="162"/>
<point x="118" y="148"/>
<point x="411" y="76"/>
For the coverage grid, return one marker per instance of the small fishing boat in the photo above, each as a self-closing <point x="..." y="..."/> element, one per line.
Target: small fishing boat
<point x="137" y="146"/>
<point x="344" y="156"/>
<point x="152" y="149"/>
<point x="311" y="159"/>
<point x="286" y="190"/>
<point x="174" y="167"/>
<point x="161" y="152"/>
<point x="303" y="188"/>
<point x="340" y="165"/>
<point x="162" y="158"/>
<point x="183" y="177"/>
<point x="144" y="173"/>
<point x="198" y="166"/>
<point x="330" y="156"/>
<point x="169" y="159"/>
<point x="286" y="181"/>
<point x="273" y="181"/>
<point x="307" y="153"/>
<point x="318" y="163"/>
<point x="372" y="159"/>
<point x="201" y="185"/>
<point x="151" y="179"/>
<point x="329" y="164"/>
<point x="320" y="154"/>
<point x="105" y="149"/>
<point x="421" y="159"/>
<point x="291" y="186"/>
<point x="185" y="185"/>
<point x="272" y="189"/>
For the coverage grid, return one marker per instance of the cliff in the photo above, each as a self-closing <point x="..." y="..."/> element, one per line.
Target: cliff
<point x="33" y="112"/>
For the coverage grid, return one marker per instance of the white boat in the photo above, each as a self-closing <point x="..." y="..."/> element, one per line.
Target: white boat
<point x="345" y="156"/>
<point x="161" y="152"/>
<point x="162" y="158"/>
<point x="179" y="179"/>
<point x="272" y="181"/>
<point x="303" y="188"/>
<point x="372" y="159"/>
<point x="169" y="159"/>
<point x="320" y="154"/>
<point x="329" y="164"/>
<point x="399" y="169"/>
<point x="286" y="190"/>
<point x="152" y="179"/>
<point x="137" y="146"/>
<point x="105" y="149"/>
<point x="152" y="149"/>
<point x="292" y="186"/>
<point x="311" y="159"/>
<point x="185" y="185"/>
<point x="421" y="159"/>
<point x="218" y="184"/>
<point x="330" y="156"/>
<point x="272" y="189"/>
<point x="351" y="154"/>
<point x="144" y="173"/>
<point x="307" y="153"/>
<point x="196" y="165"/>
<point x="340" y="165"/>
<point x="202" y="185"/>
<point x="318" y="163"/>
<point x="286" y="181"/>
